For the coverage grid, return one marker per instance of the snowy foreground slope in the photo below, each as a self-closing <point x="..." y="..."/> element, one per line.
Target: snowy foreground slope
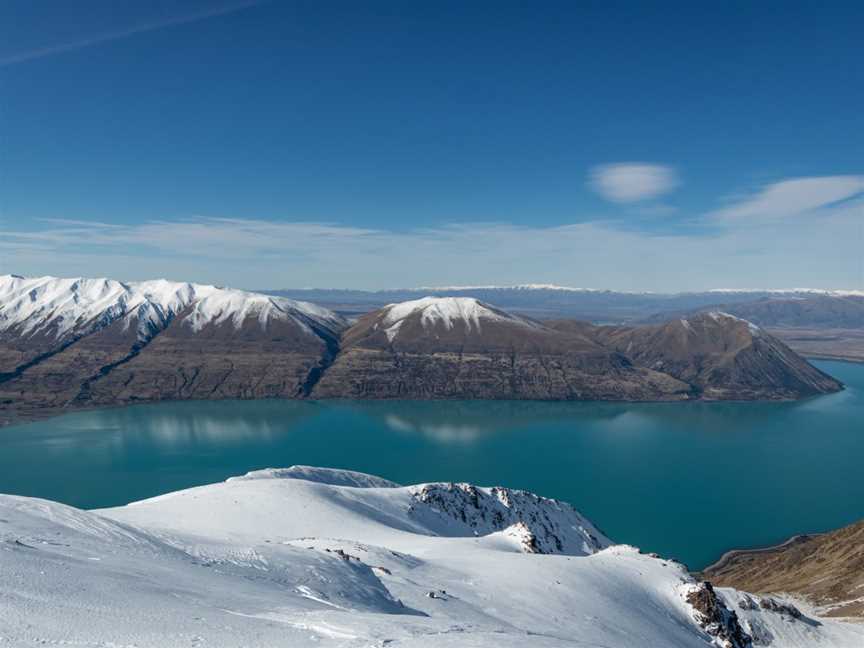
<point x="318" y="557"/>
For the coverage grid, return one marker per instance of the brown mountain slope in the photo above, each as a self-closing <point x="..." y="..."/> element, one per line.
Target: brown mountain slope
<point x="827" y="569"/>
<point x="462" y="348"/>
<point x="721" y="356"/>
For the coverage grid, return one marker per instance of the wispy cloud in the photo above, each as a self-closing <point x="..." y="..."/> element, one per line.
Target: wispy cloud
<point x="104" y="37"/>
<point x="790" y="198"/>
<point x="823" y="251"/>
<point x="632" y="181"/>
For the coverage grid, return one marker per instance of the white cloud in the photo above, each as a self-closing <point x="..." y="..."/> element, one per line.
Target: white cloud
<point x="632" y="182"/>
<point x="791" y="198"/>
<point x="821" y="252"/>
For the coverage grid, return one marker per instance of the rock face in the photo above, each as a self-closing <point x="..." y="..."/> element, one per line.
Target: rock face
<point x="539" y="525"/>
<point x="97" y="342"/>
<point x="462" y="348"/>
<point x="827" y="569"/>
<point x="718" y="621"/>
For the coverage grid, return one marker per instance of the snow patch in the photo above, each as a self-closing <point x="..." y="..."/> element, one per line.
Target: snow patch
<point x="721" y="315"/>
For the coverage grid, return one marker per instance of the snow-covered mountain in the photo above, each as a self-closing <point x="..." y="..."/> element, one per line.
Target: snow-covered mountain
<point x="63" y="307"/>
<point x="461" y="347"/>
<point x="465" y="314"/>
<point x="317" y="557"/>
<point x="90" y="342"/>
<point x="95" y="342"/>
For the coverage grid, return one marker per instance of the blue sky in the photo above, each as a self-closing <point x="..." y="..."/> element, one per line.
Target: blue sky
<point x="638" y="146"/>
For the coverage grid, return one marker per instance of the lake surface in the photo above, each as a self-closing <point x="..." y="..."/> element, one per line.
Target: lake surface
<point x="687" y="480"/>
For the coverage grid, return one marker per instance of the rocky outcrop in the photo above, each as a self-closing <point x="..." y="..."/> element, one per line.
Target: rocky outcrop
<point x="717" y="620"/>
<point x="539" y="525"/>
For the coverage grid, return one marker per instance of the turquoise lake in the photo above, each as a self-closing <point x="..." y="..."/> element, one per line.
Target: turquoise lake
<point x="687" y="480"/>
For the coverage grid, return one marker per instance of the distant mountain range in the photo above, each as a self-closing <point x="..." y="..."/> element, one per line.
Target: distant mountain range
<point x="799" y="307"/>
<point x="67" y="343"/>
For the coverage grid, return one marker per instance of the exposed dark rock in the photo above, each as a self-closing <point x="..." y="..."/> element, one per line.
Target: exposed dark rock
<point x="715" y="618"/>
<point x="774" y="605"/>
<point x="540" y="525"/>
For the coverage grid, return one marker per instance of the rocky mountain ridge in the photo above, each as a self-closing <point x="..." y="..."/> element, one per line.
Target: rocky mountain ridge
<point x="67" y="343"/>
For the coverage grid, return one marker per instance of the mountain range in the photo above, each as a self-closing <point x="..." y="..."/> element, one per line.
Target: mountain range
<point x="793" y="307"/>
<point x="67" y="343"/>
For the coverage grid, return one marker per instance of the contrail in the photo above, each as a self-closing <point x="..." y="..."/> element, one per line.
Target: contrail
<point x="30" y="55"/>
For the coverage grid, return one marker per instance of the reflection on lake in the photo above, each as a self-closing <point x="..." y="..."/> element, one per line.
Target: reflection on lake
<point x="684" y="479"/>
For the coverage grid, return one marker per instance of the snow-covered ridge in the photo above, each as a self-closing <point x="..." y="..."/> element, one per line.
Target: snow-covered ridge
<point x="329" y="476"/>
<point x="535" y="287"/>
<point x="527" y="286"/>
<point x="64" y="306"/>
<point x="789" y="291"/>
<point x="301" y="557"/>
<point x="541" y="525"/>
<point x="447" y="311"/>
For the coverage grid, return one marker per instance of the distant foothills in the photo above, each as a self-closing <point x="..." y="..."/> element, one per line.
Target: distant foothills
<point x="68" y="343"/>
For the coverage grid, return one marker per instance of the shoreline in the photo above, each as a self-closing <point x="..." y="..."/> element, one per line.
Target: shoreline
<point x="830" y="358"/>
<point x="731" y="554"/>
<point x="7" y="419"/>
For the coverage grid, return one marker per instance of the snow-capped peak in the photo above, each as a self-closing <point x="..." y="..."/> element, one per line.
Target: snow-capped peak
<point x="63" y="306"/>
<point x="447" y="311"/>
